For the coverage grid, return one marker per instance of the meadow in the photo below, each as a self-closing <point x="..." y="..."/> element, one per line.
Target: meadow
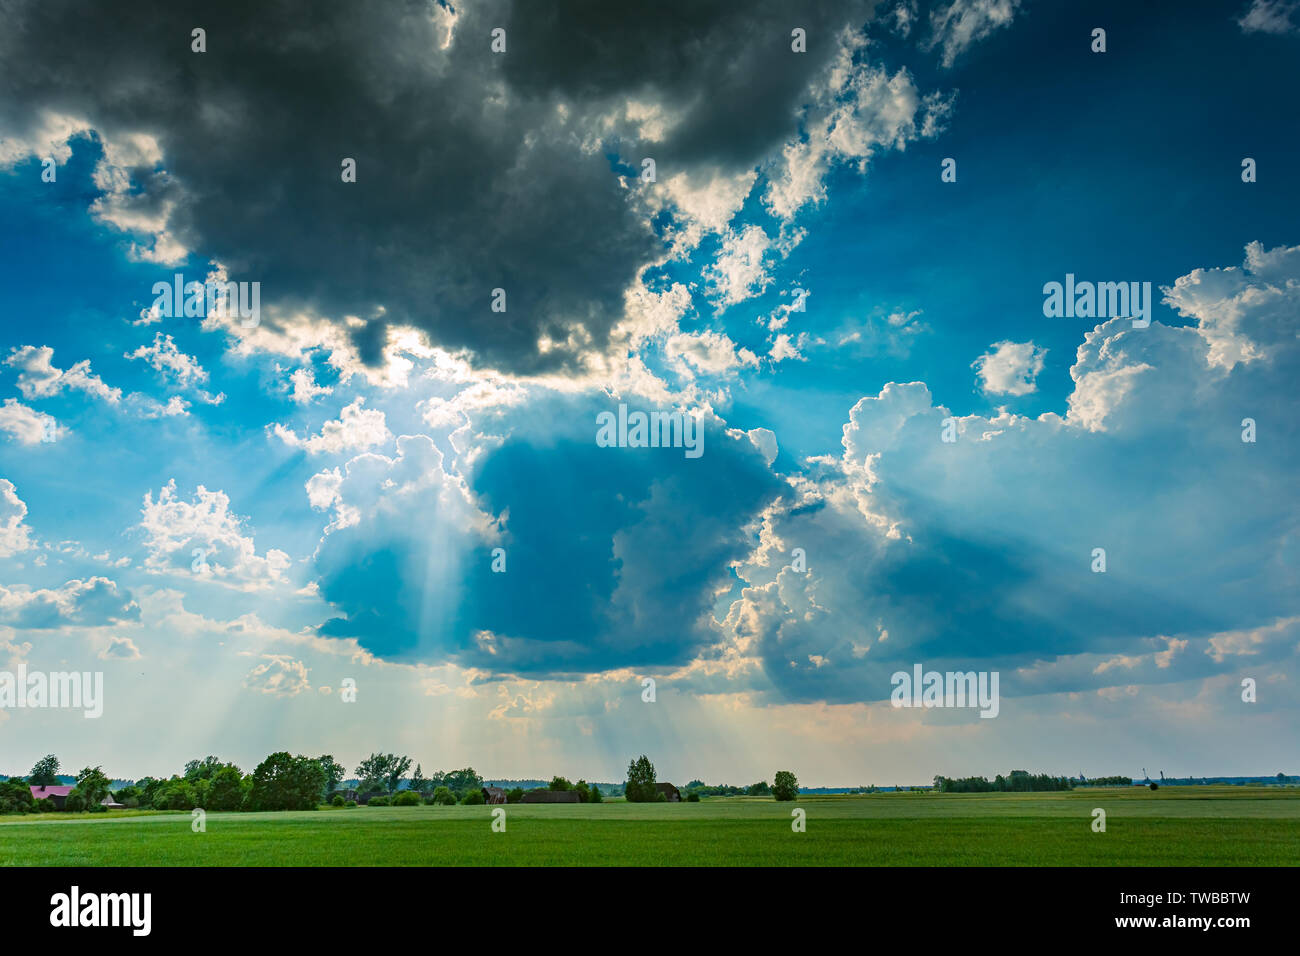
<point x="1183" y="826"/>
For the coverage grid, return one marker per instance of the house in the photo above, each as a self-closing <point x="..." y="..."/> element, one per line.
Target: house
<point x="551" y="796"/>
<point x="494" y="795"/>
<point x="59" y="794"/>
<point x="671" y="793"/>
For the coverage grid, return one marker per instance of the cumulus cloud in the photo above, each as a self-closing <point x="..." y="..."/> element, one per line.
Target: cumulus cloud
<point x="13" y="532"/>
<point x="647" y="537"/>
<point x="164" y="357"/>
<point x="356" y="428"/>
<point x="39" y="378"/>
<point x="174" y="529"/>
<point x="25" y="424"/>
<point x="857" y="110"/>
<point x="89" y="603"/>
<point x="279" y="676"/>
<point x="1011" y="368"/>
<point x="937" y="543"/>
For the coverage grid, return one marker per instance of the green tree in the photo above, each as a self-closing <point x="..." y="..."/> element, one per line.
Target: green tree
<point x="285" y="782"/>
<point x="16" y="797"/>
<point x="225" y="790"/>
<point x="473" y="798"/>
<point x="640" y="787"/>
<point x="760" y="789"/>
<point x="784" y="785"/>
<point x="559" y="783"/>
<point x="595" y="796"/>
<point x="333" y="773"/>
<point x="418" y="781"/>
<point x="382" y="772"/>
<point x="45" y="773"/>
<point x="461" y="782"/>
<point x="443" y="797"/>
<point x="93" y="785"/>
<point x="203" y="769"/>
<point x="515" y="795"/>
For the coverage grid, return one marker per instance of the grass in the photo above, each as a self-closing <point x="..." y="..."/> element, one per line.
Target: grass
<point x="1183" y="826"/>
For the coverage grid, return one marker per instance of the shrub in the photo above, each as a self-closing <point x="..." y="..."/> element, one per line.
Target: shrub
<point x="380" y="801"/>
<point x="15" y="796"/>
<point x="407" y="798"/>
<point x="75" y="803"/>
<point x="350" y="804"/>
<point x="515" y="795"/>
<point x="46" y="806"/>
<point x="692" y="797"/>
<point x="443" y="797"/>
<point x="338" y="800"/>
<point x="472" y="798"/>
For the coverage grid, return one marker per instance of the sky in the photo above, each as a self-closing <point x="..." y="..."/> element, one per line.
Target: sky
<point x="820" y="233"/>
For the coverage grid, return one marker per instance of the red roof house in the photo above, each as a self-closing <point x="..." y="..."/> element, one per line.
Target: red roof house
<point x="59" y="794"/>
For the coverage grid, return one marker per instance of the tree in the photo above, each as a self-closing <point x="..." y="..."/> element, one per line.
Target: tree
<point x="333" y="773"/>
<point x="559" y="783"/>
<point x="418" y="782"/>
<point x="515" y="795"/>
<point x="203" y="769"/>
<point x="443" y="797"/>
<point x="92" y="785"/>
<point x="382" y="772"/>
<point x="760" y="789"/>
<point x="784" y="785"/>
<point x="594" y="795"/>
<point x="584" y="792"/>
<point x="284" y="782"/>
<point x="461" y="782"/>
<point x="226" y="789"/>
<point x="45" y="773"/>
<point x="640" y="786"/>
<point x="16" y="797"/>
<point x="473" y="798"/>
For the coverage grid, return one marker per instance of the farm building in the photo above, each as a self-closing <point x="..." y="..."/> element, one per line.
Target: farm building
<point x="551" y="796"/>
<point x="494" y="795"/>
<point x="671" y="793"/>
<point x="59" y="794"/>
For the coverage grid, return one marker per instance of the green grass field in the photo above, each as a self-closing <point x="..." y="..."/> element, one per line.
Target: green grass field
<point x="1183" y="826"/>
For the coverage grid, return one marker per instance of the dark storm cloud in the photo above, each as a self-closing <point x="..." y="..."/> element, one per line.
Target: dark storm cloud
<point x="470" y="177"/>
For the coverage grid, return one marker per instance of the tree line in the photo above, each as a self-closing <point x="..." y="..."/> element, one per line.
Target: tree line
<point x="284" y="781"/>
<point x="1018" y="781"/>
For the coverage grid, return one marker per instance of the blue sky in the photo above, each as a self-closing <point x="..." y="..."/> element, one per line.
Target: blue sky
<point x="348" y="465"/>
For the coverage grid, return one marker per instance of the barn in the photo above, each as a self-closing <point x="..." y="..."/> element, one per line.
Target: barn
<point x="59" y="794"/>
<point x="494" y="795"/>
<point x="671" y="793"/>
<point x="551" y="796"/>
